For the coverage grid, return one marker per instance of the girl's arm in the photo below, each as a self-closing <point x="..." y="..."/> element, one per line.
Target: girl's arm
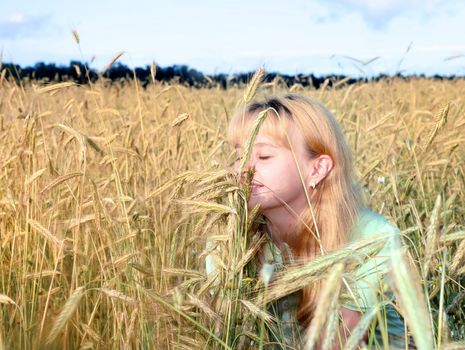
<point x="350" y="319"/>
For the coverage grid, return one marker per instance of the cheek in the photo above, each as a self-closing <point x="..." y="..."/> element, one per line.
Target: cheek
<point x="291" y="179"/>
<point x="279" y="176"/>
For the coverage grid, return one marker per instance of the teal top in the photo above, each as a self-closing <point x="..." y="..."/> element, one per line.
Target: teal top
<point x="366" y="285"/>
<point x="371" y="278"/>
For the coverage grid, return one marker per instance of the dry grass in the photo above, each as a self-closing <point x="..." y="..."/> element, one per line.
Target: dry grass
<point x="108" y="193"/>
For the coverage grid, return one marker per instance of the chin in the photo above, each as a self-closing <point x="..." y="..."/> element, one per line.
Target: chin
<point x="252" y="203"/>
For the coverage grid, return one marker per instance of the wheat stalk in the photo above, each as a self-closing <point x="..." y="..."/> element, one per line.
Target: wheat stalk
<point x="406" y="286"/>
<point x="112" y="61"/>
<point x="118" y="295"/>
<point x="331" y="329"/>
<point x="180" y="119"/>
<point x="153" y="71"/>
<point x="34" y="176"/>
<point x="59" y="180"/>
<point x="432" y="236"/>
<point x="75" y="36"/>
<point x="54" y="87"/>
<point x="257" y="312"/>
<point x="250" y="141"/>
<point x="361" y="328"/>
<point x="38" y="227"/>
<point x="458" y="259"/>
<point x="4" y="299"/>
<point x="440" y="121"/>
<point x="307" y="272"/>
<point x="204" y="307"/>
<point x="66" y="312"/>
<point x="254" y="84"/>
<point x="330" y="292"/>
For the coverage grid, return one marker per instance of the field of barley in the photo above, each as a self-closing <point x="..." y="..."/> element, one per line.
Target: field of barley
<point x="109" y="191"/>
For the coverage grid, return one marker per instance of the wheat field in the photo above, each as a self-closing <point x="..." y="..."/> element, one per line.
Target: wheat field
<point x="109" y="191"/>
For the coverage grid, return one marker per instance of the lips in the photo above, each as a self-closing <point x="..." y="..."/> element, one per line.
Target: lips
<point x="254" y="187"/>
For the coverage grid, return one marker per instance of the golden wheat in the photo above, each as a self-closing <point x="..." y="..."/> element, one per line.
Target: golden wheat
<point x="98" y="190"/>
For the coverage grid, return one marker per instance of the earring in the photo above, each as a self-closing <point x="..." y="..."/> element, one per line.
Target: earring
<point x="313" y="184"/>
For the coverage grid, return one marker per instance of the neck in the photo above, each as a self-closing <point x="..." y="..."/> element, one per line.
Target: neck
<point x="283" y="222"/>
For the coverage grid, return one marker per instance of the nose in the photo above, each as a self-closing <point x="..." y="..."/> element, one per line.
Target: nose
<point x="250" y="163"/>
<point x="248" y="172"/>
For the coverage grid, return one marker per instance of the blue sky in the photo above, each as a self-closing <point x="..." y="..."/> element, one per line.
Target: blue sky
<point x="295" y="36"/>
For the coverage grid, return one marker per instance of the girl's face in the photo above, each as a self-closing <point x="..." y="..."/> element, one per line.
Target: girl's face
<point x="276" y="182"/>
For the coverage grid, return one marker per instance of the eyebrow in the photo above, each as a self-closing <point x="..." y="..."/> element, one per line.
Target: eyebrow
<point x="259" y="144"/>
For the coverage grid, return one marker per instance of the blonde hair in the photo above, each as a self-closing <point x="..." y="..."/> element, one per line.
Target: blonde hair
<point x="336" y="202"/>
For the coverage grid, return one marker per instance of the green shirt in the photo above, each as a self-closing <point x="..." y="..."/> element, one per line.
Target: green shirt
<point x="372" y="276"/>
<point x="366" y="284"/>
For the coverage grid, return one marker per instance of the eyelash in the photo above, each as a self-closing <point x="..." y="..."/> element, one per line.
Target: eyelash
<point x="237" y="159"/>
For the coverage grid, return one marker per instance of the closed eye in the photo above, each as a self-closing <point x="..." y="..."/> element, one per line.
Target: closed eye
<point x="264" y="157"/>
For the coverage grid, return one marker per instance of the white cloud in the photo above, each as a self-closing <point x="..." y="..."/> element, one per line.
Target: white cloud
<point x="17" y="18"/>
<point x="19" y="24"/>
<point x="378" y="13"/>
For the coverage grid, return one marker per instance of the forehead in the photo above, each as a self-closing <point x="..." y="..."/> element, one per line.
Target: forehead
<point x="275" y="130"/>
<point x="265" y="141"/>
<point x="261" y="141"/>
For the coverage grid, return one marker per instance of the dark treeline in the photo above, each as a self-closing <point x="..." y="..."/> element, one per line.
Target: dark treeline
<point x="81" y="73"/>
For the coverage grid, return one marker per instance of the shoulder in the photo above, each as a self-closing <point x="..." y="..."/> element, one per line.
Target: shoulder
<point x="367" y="279"/>
<point x="369" y="224"/>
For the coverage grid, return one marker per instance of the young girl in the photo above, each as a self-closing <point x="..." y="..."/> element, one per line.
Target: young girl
<point x="304" y="185"/>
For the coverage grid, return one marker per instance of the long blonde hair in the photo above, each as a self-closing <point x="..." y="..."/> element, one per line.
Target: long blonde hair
<point x="336" y="201"/>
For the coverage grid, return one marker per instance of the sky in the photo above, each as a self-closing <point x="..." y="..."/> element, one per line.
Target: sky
<point x="350" y="37"/>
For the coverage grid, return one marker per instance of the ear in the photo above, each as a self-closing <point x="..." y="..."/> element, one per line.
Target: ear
<point x="319" y="168"/>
